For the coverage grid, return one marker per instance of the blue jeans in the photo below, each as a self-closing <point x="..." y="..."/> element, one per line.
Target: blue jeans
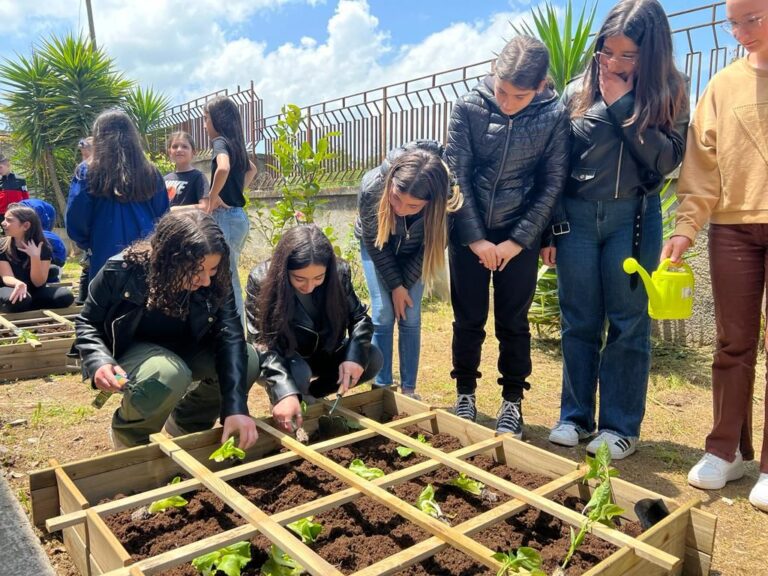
<point x="235" y="225"/>
<point x="383" y="315"/>
<point x="594" y="292"/>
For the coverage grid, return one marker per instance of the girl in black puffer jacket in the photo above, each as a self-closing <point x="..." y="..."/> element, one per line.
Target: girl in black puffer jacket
<point x="508" y="147"/>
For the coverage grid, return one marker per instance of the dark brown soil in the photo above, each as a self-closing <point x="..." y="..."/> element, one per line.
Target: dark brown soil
<point x="363" y="532"/>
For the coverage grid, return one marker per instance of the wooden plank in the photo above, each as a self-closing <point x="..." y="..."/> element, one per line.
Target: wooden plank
<point x="432" y="525"/>
<point x="658" y="557"/>
<point x="16" y="330"/>
<point x="700" y="542"/>
<point x="276" y="533"/>
<point x="106" y="550"/>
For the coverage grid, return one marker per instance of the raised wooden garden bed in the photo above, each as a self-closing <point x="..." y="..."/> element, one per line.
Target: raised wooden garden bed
<point x="36" y="343"/>
<point x="370" y="528"/>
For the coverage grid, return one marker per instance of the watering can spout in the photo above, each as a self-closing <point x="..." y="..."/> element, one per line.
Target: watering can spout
<point x="630" y="267"/>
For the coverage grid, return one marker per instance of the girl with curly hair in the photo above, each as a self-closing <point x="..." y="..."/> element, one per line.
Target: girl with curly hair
<point x="231" y="173"/>
<point x="25" y="260"/>
<point x="118" y="197"/>
<point x="312" y="330"/>
<point x="160" y="316"/>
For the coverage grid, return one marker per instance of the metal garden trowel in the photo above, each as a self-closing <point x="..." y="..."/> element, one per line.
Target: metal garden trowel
<point x="330" y="425"/>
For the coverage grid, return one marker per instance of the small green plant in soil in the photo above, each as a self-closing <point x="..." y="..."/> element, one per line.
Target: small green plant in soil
<point x="404" y="451"/>
<point x="167" y="503"/>
<point x="427" y="504"/>
<point x="601" y="507"/>
<point x="226" y="451"/>
<point x="525" y="557"/>
<point x="280" y="564"/>
<point x="230" y="560"/>
<point x="308" y="530"/>
<point x="467" y="484"/>
<point x="358" y="467"/>
<point x="25" y="336"/>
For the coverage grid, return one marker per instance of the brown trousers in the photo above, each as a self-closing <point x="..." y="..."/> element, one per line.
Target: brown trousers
<point x="738" y="259"/>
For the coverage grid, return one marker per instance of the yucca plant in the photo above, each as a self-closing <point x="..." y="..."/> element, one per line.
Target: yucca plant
<point x="145" y="106"/>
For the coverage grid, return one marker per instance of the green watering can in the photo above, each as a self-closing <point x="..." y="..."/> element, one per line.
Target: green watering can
<point x="669" y="288"/>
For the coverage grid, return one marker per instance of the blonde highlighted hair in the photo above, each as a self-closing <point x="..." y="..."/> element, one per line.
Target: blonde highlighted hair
<point x="424" y="176"/>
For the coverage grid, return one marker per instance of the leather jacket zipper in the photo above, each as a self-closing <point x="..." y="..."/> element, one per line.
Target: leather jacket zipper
<point x="114" y="339"/>
<point x="618" y="170"/>
<point x="498" y="176"/>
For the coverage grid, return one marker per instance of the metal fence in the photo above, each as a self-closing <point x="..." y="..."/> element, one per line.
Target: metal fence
<point x="372" y="122"/>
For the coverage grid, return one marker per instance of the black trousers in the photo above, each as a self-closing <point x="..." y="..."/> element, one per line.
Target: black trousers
<point x="513" y="290"/>
<point x="39" y="298"/>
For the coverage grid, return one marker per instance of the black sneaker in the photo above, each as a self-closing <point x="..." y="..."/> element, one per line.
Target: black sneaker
<point x="510" y="418"/>
<point x="465" y="407"/>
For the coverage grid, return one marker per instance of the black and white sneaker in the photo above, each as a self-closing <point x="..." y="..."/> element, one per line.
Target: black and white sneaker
<point x="619" y="446"/>
<point x="510" y="418"/>
<point x="466" y="407"/>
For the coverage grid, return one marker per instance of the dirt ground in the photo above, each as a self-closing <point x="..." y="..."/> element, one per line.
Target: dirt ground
<point x="52" y="417"/>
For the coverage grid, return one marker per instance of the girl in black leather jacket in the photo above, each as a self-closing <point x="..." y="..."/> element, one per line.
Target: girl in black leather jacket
<point x="159" y="316"/>
<point x="508" y="148"/>
<point x="629" y="116"/>
<point x="313" y="333"/>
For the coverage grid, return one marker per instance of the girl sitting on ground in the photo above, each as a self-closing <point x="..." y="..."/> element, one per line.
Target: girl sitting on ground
<point x="25" y="260"/>
<point x="313" y="332"/>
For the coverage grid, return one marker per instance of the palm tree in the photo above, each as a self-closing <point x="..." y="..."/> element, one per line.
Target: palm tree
<point x="53" y="97"/>
<point x="145" y="107"/>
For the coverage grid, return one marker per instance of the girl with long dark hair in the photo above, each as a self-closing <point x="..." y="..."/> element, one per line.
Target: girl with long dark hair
<point x="313" y="332"/>
<point x="402" y="211"/>
<point x="629" y="114"/>
<point x="160" y="316"/>
<point x="25" y="260"/>
<point x="231" y="173"/>
<point x="119" y="196"/>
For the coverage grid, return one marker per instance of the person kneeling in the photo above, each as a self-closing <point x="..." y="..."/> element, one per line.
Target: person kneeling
<point x="313" y="332"/>
<point x="162" y="315"/>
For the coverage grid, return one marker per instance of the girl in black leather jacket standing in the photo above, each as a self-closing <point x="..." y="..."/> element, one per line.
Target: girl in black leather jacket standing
<point x="508" y="147"/>
<point x="629" y="115"/>
<point x="313" y="333"/>
<point x="160" y="316"/>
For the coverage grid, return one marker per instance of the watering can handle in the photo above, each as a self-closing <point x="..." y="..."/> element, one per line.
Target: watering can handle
<point x="667" y="263"/>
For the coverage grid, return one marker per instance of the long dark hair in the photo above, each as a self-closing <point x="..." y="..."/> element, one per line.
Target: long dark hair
<point x="172" y="255"/>
<point x="118" y="168"/>
<point x="523" y="62"/>
<point x="660" y="93"/>
<point x="301" y="246"/>
<point x="35" y="231"/>
<point x="225" y="118"/>
<point x="424" y="176"/>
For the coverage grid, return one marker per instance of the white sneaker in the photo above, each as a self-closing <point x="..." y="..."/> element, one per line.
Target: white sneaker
<point x="566" y="434"/>
<point x="619" y="446"/>
<point x="759" y="494"/>
<point x="712" y="473"/>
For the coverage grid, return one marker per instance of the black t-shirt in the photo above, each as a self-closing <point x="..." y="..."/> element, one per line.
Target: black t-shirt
<point x="185" y="188"/>
<point x="232" y="192"/>
<point x="20" y="267"/>
<point x="164" y="330"/>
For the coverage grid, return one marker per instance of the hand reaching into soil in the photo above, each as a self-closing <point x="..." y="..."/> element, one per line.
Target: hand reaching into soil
<point x="287" y="413"/>
<point x="242" y="426"/>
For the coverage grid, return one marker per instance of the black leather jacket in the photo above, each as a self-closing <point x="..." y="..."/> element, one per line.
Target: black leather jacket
<point x="112" y="312"/>
<point x="605" y="165"/>
<point x="275" y="368"/>
<point x="400" y="261"/>
<point x="511" y="169"/>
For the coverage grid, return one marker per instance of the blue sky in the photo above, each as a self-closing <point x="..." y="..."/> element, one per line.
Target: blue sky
<point x="301" y="51"/>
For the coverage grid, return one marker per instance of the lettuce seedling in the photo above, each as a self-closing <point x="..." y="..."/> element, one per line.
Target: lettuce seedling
<point x="468" y="484"/>
<point x="405" y="451"/>
<point x="426" y="503"/>
<point x="358" y="467"/>
<point x="525" y="557"/>
<point x="280" y="564"/>
<point x="308" y="530"/>
<point x="230" y="560"/>
<point x="600" y="507"/>
<point x="170" y="502"/>
<point x="228" y="450"/>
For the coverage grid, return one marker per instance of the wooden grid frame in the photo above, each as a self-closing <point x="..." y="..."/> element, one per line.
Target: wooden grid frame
<point x="47" y="353"/>
<point x="65" y="497"/>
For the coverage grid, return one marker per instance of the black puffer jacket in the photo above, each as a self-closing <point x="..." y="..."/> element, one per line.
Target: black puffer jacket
<point x="511" y="169"/>
<point x="114" y="308"/>
<point x="399" y="262"/>
<point x="275" y="368"/>
<point x="605" y="165"/>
